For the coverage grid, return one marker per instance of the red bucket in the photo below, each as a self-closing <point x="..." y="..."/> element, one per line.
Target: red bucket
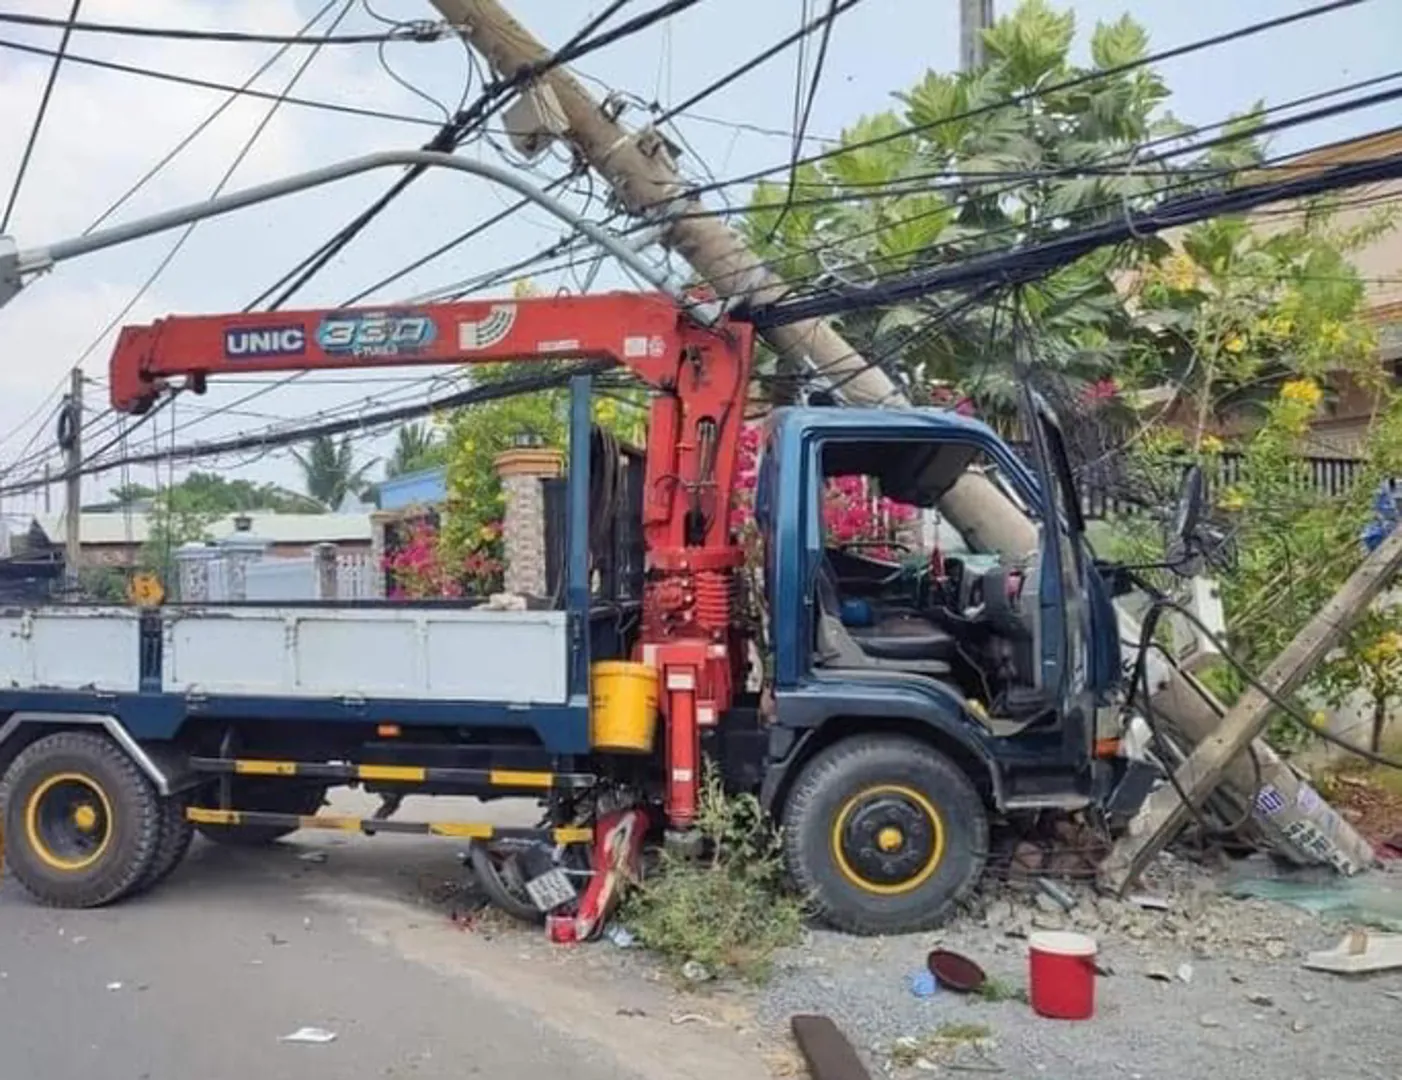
<point x="1062" y="975"/>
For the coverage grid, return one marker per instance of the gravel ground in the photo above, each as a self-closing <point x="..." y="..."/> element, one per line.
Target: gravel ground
<point x="1247" y="1008"/>
<point x="1213" y="988"/>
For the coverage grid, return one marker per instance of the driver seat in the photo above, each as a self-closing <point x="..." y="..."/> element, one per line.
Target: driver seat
<point x="895" y="643"/>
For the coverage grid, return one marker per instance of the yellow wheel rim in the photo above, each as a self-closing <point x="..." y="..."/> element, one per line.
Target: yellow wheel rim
<point x="888" y="839"/>
<point x="68" y="822"/>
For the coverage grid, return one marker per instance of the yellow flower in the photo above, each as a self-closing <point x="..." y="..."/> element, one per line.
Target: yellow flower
<point x="1232" y="499"/>
<point x="1235" y="344"/>
<point x="1211" y="444"/>
<point x="1303" y="391"/>
<point x="1180" y="273"/>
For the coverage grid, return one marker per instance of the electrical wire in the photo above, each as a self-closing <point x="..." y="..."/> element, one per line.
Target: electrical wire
<point x="199" y="128"/>
<point x="219" y="187"/>
<point x="801" y="120"/>
<point x="207" y="84"/>
<point x="1075" y="82"/>
<point x="488" y="391"/>
<point x="421" y="32"/>
<point x="68" y="26"/>
<point x="451" y="135"/>
<point x="755" y="61"/>
<point x="1028" y="262"/>
<point x="1287" y="709"/>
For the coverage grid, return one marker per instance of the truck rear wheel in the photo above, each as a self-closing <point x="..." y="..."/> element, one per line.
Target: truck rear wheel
<point x="176" y="836"/>
<point x="82" y="822"/>
<point x="884" y="834"/>
<point x="272" y="796"/>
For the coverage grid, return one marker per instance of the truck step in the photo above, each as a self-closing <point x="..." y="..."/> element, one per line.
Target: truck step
<point x="521" y="779"/>
<point x="459" y="830"/>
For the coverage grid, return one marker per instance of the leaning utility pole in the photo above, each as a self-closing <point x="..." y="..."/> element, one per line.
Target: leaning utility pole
<point x="71" y="442"/>
<point x="640" y="170"/>
<point x="975" y="16"/>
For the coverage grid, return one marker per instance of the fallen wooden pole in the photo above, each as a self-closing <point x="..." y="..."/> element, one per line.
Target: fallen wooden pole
<point x="1167" y="811"/>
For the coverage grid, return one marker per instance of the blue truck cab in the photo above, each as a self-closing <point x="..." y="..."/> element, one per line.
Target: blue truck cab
<point x="918" y="687"/>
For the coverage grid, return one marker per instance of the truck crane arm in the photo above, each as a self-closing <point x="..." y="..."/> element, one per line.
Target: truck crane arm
<point x="698" y="377"/>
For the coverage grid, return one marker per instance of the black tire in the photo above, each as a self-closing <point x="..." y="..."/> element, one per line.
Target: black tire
<point x="841" y="813"/>
<point x="176" y="836"/>
<point x="271" y="796"/>
<point x="82" y="822"/>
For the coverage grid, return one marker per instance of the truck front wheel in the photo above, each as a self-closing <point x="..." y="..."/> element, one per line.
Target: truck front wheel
<point x="82" y="823"/>
<point x="884" y="835"/>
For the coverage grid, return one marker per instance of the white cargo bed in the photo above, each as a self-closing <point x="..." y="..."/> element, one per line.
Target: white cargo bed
<point x="437" y="654"/>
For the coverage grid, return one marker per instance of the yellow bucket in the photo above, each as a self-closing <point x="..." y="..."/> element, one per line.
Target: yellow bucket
<point x="622" y="707"/>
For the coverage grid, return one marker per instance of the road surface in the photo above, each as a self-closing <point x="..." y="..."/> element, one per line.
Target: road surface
<point x="202" y="978"/>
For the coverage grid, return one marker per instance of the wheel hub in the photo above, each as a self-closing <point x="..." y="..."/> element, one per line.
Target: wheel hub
<point x="888" y="839"/>
<point x="68" y="821"/>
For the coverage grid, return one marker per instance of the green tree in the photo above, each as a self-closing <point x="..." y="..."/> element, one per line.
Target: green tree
<point x="941" y="186"/>
<point x="211" y="493"/>
<point x="329" y="470"/>
<point x="416" y="447"/>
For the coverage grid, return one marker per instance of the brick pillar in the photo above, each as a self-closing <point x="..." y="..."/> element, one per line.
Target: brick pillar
<point x="523" y="525"/>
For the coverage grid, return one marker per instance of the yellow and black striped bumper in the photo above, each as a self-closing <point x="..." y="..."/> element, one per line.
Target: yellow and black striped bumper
<point x="461" y="830"/>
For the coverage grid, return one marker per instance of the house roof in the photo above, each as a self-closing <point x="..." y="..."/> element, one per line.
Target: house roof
<point x="115" y="527"/>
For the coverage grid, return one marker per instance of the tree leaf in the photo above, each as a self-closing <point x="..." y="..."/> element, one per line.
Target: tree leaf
<point x="1118" y="43"/>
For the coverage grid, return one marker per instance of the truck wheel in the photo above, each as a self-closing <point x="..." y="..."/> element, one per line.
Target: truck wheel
<point x="271" y="796"/>
<point x="82" y="821"/>
<point x="884" y="835"/>
<point x="176" y="836"/>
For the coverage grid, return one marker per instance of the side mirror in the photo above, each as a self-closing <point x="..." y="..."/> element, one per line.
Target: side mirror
<point x="1183" y="527"/>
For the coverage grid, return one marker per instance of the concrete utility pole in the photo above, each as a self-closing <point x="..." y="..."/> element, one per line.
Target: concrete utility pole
<point x="642" y="174"/>
<point x="975" y="16"/>
<point x="73" y="482"/>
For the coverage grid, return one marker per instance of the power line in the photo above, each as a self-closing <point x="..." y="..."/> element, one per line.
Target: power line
<point x="207" y="84"/>
<point x="451" y="134"/>
<point x="1032" y="95"/>
<point x="199" y="128"/>
<point x="1112" y="204"/>
<point x="802" y="125"/>
<point x="488" y="391"/>
<point x="755" y="61"/>
<point x="421" y="31"/>
<point x="1030" y="262"/>
<point x="444" y="248"/>
<point x="223" y="180"/>
<point x="68" y="25"/>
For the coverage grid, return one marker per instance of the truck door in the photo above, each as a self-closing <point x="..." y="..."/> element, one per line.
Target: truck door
<point x="1065" y="618"/>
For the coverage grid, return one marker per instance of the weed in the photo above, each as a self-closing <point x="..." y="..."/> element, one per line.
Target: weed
<point x="938" y="1045"/>
<point x="726" y="910"/>
<point x="1000" y="990"/>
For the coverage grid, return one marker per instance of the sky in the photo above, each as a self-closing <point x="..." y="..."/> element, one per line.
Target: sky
<point x="105" y="129"/>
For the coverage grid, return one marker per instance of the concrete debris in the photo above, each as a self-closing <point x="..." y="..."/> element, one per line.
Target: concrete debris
<point x="1264" y="1000"/>
<point x="1358" y="952"/>
<point x="1185" y="973"/>
<point x="1207" y="1020"/>
<point x="1149" y="903"/>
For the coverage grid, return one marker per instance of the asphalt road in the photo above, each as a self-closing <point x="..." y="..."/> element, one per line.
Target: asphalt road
<point x="200" y="979"/>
